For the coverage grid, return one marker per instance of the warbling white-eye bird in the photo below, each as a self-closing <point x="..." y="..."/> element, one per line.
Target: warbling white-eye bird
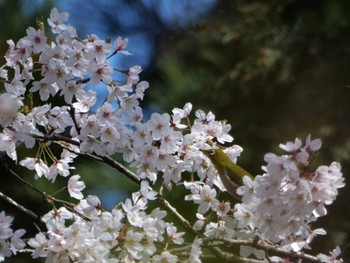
<point x="231" y="174"/>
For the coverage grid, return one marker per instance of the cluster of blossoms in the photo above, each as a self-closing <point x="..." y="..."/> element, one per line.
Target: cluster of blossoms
<point x="125" y="234"/>
<point x="280" y="204"/>
<point x="10" y="241"/>
<point x="277" y="206"/>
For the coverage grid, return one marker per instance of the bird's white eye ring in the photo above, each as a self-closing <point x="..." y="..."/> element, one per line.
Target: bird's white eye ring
<point x="212" y="152"/>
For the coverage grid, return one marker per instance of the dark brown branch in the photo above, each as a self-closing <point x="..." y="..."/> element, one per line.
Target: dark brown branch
<point x="229" y="257"/>
<point x="113" y="163"/>
<point x="43" y="195"/>
<point x="106" y="159"/>
<point x="5" y="166"/>
<point x="270" y="249"/>
<point x="72" y="115"/>
<point x="54" y="137"/>
<point x="20" y="207"/>
<point x="173" y="211"/>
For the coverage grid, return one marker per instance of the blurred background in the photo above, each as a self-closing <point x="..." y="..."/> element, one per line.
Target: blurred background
<point x="275" y="70"/>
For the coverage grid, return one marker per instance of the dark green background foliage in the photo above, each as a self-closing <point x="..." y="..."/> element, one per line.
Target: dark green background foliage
<point x="275" y="70"/>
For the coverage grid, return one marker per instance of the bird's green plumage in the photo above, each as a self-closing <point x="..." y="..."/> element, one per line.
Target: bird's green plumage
<point x="231" y="174"/>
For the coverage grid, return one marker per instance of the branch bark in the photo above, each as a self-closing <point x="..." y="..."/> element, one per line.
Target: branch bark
<point x="21" y="208"/>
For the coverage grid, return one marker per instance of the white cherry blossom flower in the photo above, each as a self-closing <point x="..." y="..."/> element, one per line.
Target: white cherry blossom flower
<point x="332" y="257"/>
<point x="5" y="226"/>
<point x="16" y="242"/>
<point x="101" y="72"/>
<point x="39" y="243"/>
<point x="146" y="192"/>
<point x="109" y="134"/>
<point x="10" y="240"/>
<point x="56" y="21"/>
<point x="133" y="74"/>
<point x="159" y="125"/>
<point x="106" y="114"/>
<point x="45" y="89"/>
<point x="290" y="146"/>
<point x="15" y="86"/>
<point x="133" y="242"/>
<point x="165" y="257"/>
<point x="35" y="39"/>
<point x="120" y="45"/>
<point x="75" y="187"/>
<point x="9" y="107"/>
<point x="97" y="50"/>
<point x="85" y="101"/>
<point x="8" y="140"/>
<point x="36" y="164"/>
<point x="173" y="236"/>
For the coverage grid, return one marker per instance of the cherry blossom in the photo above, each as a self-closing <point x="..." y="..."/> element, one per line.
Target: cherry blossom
<point x="10" y="241"/>
<point x="120" y="45"/>
<point x="75" y="187"/>
<point x="56" y="21"/>
<point x="278" y="206"/>
<point x="35" y="39"/>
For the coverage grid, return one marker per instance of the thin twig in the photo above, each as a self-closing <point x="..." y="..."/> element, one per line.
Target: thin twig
<point x="25" y="250"/>
<point x="270" y="249"/>
<point x="44" y="195"/>
<point x="72" y="115"/>
<point x="229" y="257"/>
<point x="4" y="165"/>
<point x="106" y="159"/>
<point x="54" y="137"/>
<point x="174" y="211"/>
<point x="26" y="211"/>
<point x="121" y="168"/>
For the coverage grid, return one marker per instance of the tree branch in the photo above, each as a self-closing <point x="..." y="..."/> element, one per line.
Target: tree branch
<point x="5" y="166"/>
<point x="233" y="258"/>
<point x="43" y="194"/>
<point x="173" y="211"/>
<point x="121" y="168"/>
<point x="21" y="208"/>
<point x="270" y="249"/>
<point x="106" y="159"/>
<point x="54" y="137"/>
